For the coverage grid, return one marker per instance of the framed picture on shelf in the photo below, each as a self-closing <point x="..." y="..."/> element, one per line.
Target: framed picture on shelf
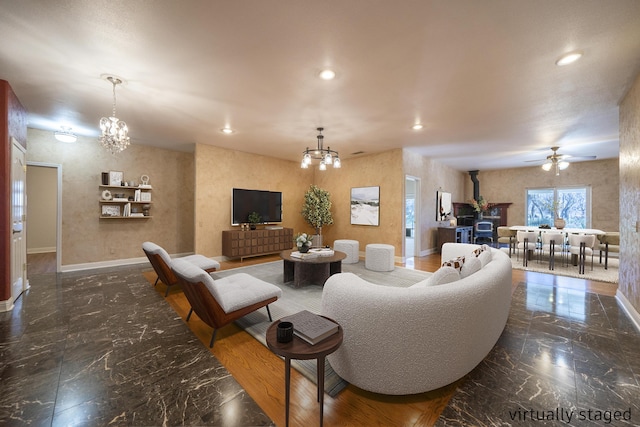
<point x="365" y="206"/>
<point x="116" y="177"/>
<point x="110" y="210"/>
<point x="145" y="196"/>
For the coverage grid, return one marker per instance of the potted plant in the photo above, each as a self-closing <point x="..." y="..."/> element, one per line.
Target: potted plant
<point x="303" y="242"/>
<point x="316" y="209"/>
<point x="254" y="218"/>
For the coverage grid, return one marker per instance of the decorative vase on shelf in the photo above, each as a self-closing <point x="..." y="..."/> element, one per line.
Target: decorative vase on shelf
<point x="304" y="249"/>
<point x="559" y="223"/>
<point x="480" y="215"/>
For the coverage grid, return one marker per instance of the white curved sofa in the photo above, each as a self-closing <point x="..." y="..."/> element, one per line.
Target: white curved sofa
<point x="412" y="340"/>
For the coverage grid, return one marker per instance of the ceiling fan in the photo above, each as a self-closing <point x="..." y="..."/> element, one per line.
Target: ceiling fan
<point x="559" y="162"/>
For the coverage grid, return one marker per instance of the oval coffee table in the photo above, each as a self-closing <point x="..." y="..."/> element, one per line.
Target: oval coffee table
<point x="311" y="270"/>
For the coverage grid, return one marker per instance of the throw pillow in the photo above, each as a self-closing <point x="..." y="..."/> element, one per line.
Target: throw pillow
<point x="485" y="257"/>
<point x="470" y="266"/>
<point x="477" y="251"/>
<point x="455" y="263"/>
<point x="441" y="276"/>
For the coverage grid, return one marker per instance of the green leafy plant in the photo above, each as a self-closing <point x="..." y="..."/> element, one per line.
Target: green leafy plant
<point x="316" y="209"/>
<point x="254" y="218"/>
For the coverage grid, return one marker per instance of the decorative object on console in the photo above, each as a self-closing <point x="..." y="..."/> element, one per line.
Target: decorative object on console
<point x="114" y="136"/>
<point x="327" y="156"/>
<point x="365" y="206"/>
<point x="316" y="210"/>
<point x="254" y="218"/>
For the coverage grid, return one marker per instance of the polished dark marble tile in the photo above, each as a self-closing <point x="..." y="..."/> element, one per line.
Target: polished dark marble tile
<point x="562" y="352"/>
<point x="103" y="348"/>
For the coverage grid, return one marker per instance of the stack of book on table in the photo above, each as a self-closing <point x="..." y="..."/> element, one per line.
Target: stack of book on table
<point x="307" y="255"/>
<point x="311" y="327"/>
<point x="323" y="251"/>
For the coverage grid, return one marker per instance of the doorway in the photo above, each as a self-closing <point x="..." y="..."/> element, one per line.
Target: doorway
<point x="411" y="213"/>
<point x="44" y="181"/>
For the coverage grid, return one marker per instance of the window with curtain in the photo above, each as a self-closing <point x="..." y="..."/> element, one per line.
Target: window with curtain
<point x="573" y="204"/>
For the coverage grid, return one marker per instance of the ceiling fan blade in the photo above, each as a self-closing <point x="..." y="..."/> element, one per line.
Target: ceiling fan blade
<point x="534" y="161"/>
<point x="582" y="158"/>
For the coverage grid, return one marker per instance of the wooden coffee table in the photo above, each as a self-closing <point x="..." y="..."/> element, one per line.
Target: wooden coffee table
<point x="302" y="350"/>
<point x="311" y="270"/>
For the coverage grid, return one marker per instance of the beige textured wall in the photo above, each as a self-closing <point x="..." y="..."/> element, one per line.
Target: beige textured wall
<point x="383" y="170"/>
<point x="508" y="185"/>
<point x="218" y="171"/>
<point x="85" y="238"/>
<point x="42" y="201"/>
<point x="433" y="177"/>
<point x="630" y="195"/>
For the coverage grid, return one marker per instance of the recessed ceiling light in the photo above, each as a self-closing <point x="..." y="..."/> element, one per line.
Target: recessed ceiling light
<point x="569" y="58"/>
<point x="226" y="130"/>
<point x="417" y="126"/>
<point x="327" y="74"/>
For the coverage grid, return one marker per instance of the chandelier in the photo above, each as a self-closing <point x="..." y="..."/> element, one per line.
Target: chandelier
<point x="114" y="131"/>
<point x="327" y="156"/>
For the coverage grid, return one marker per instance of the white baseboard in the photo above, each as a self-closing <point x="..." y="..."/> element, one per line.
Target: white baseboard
<point x="41" y="250"/>
<point x="119" y="263"/>
<point x="6" y="305"/>
<point x="631" y="311"/>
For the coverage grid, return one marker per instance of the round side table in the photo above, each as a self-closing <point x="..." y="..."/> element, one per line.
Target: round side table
<point x="302" y="350"/>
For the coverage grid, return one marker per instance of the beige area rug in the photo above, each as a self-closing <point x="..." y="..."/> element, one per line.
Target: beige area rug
<point x="542" y="266"/>
<point x="309" y="298"/>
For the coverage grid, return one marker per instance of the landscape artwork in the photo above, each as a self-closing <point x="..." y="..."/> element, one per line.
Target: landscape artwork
<point x="365" y="206"/>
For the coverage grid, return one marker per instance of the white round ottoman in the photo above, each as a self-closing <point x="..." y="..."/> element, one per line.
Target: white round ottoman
<point x="349" y="247"/>
<point x="379" y="257"/>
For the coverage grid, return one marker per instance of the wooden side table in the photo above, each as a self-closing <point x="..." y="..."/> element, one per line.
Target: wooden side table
<point x="302" y="350"/>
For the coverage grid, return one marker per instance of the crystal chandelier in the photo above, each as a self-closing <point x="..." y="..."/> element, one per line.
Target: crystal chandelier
<point x="114" y="131"/>
<point x="327" y="156"/>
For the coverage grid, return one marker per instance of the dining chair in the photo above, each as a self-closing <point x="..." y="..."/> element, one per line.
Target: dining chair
<point x="608" y="242"/>
<point x="507" y="235"/>
<point x="581" y="246"/>
<point x="528" y="242"/>
<point x="552" y="244"/>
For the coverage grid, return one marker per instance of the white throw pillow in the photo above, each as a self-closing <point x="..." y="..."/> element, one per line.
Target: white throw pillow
<point x="441" y="276"/>
<point x="470" y="266"/>
<point x="456" y="263"/>
<point x="485" y="257"/>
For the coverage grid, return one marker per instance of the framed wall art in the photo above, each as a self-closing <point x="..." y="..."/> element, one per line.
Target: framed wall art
<point x="365" y="206"/>
<point x="443" y="206"/>
<point x="110" y="210"/>
<point x="116" y="177"/>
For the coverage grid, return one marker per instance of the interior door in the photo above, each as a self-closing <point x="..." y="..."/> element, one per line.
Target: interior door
<point x="18" y="220"/>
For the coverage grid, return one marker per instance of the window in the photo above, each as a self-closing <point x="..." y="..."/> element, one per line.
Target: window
<point x="573" y="204"/>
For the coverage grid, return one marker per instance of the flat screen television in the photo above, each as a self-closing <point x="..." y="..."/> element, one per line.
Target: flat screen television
<point x="267" y="203"/>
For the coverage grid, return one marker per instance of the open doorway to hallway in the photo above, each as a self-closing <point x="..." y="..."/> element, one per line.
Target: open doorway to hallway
<point x="411" y="215"/>
<point x="43" y="213"/>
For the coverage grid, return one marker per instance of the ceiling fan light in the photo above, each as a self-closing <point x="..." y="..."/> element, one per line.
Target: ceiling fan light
<point x="327" y="158"/>
<point x="547" y="166"/>
<point x="562" y="165"/>
<point x="323" y="165"/>
<point x="336" y="163"/>
<point x="304" y="165"/>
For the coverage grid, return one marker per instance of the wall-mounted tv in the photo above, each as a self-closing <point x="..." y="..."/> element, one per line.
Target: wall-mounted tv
<point x="267" y="203"/>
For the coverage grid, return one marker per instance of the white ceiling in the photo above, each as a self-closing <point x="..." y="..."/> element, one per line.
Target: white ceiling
<point x="480" y="75"/>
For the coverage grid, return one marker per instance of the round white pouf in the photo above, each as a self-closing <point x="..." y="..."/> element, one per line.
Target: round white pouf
<point x="349" y="247"/>
<point x="379" y="257"/>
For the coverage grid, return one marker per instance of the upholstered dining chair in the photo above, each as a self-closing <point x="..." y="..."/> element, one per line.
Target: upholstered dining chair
<point x="507" y="235"/>
<point x="609" y="242"/>
<point x="161" y="262"/>
<point x="220" y="302"/>
<point x="552" y="245"/>
<point x="581" y="246"/>
<point x="528" y="242"/>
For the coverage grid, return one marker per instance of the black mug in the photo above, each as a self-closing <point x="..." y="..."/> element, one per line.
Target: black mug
<point x="285" y="332"/>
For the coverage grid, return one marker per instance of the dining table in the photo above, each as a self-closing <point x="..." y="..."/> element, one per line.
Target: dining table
<point x="564" y="230"/>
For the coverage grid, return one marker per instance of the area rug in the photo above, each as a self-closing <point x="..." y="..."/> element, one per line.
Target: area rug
<point x="309" y="298"/>
<point x="598" y="273"/>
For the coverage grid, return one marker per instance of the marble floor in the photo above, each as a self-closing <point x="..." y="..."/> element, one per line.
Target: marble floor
<point x="104" y="348"/>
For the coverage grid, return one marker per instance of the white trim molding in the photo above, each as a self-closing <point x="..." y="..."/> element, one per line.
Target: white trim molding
<point x="629" y="309"/>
